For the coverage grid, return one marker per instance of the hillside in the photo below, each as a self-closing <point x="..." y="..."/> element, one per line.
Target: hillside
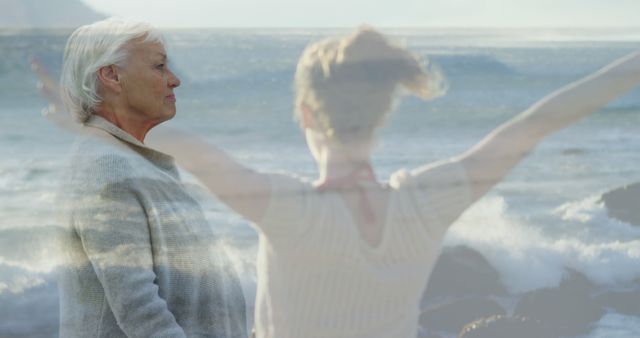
<point x="45" y="14"/>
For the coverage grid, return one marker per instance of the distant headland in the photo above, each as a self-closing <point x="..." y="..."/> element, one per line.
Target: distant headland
<point x="25" y="14"/>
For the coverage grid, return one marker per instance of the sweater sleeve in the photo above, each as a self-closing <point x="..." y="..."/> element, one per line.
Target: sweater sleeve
<point x="439" y="193"/>
<point x="112" y="225"/>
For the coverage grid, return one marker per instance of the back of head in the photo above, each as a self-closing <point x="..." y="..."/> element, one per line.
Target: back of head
<point x="349" y="84"/>
<point x="90" y="48"/>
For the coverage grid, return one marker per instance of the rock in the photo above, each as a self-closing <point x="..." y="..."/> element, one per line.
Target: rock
<point x="626" y="303"/>
<point x="577" y="282"/>
<point x="567" y="309"/>
<point x="461" y="271"/>
<point x="506" y="327"/>
<point x="623" y="203"/>
<point x="428" y="334"/>
<point x="453" y="316"/>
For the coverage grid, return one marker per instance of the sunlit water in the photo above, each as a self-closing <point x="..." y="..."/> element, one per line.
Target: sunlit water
<point x="236" y="91"/>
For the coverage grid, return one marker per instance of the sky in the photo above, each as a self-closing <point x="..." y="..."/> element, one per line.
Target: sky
<point x="387" y="13"/>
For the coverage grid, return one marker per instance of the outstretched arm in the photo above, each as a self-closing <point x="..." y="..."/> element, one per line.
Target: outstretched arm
<point x="492" y="158"/>
<point x="243" y="189"/>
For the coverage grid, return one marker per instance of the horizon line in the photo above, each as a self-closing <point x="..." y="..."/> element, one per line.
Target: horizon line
<point x="40" y="28"/>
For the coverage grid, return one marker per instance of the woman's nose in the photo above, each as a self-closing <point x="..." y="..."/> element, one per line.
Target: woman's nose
<point x="174" y="81"/>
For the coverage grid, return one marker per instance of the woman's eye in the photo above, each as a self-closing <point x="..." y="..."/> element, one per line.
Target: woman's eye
<point x="160" y="66"/>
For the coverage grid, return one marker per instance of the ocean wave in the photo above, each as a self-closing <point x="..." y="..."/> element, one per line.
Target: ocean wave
<point x="29" y="303"/>
<point x="616" y="325"/>
<point x="592" y="212"/>
<point x="33" y="249"/>
<point x="528" y="258"/>
<point x="16" y="280"/>
<point x="471" y="64"/>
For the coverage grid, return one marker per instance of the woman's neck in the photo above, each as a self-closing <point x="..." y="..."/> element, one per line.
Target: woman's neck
<point x="335" y="164"/>
<point x="127" y="122"/>
<point x="335" y="160"/>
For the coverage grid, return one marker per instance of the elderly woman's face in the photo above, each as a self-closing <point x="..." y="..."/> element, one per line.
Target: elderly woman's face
<point x="148" y="83"/>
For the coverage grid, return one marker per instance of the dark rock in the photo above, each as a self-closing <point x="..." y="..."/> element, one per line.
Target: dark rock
<point x="626" y="303"/>
<point x="428" y="334"/>
<point x="567" y="309"/>
<point x="451" y="317"/>
<point x="506" y="327"/>
<point x="623" y="203"/>
<point x="576" y="282"/>
<point x="461" y="271"/>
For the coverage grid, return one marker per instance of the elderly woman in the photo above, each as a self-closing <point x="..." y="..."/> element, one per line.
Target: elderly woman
<point x="140" y="258"/>
<point x="348" y="255"/>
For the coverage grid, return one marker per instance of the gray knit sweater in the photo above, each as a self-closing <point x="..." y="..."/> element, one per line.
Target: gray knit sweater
<point x="140" y="258"/>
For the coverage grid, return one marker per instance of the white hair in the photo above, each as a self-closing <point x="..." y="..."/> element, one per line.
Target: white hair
<point x="90" y="48"/>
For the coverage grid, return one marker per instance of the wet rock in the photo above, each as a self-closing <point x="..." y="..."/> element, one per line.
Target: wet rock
<point x="577" y="282"/>
<point x="462" y="271"/>
<point x="452" y="317"/>
<point x="623" y="203"/>
<point x="429" y="334"/>
<point x="507" y="327"/>
<point x="623" y="302"/>
<point x="568" y="309"/>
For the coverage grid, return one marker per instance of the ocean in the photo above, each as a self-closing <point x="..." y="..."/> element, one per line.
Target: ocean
<point x="237" y="92"/>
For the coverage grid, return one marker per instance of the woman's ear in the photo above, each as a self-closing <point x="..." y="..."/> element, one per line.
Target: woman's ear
<point x="109" y="78"/>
